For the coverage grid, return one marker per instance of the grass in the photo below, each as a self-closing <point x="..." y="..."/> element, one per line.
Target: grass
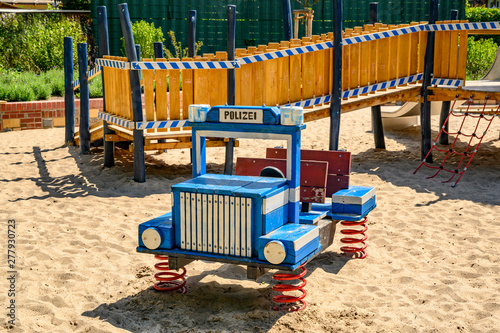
<point x="28" y="86"/>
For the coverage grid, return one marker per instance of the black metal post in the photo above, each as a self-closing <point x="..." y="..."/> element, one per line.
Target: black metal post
<point x="135" y="87"/>
<point x="102" y="30"/>
<point x="335" y="104"/>
<point x="84" y="132"/>
<point x="69" y="96"/>
<point x="192" y="33"/>
<point x="454" y="14"/>
<point x="445" y="107"/>
<point x="231" y="87"/>
<point x="158" y="49"/>
<point x="287" y="19"/>
<point x="425" y="108"/>
<point x="377" y="126"/>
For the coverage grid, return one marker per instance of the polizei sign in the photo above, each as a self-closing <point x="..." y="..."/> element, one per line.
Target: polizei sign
<point x="250" y="116"/>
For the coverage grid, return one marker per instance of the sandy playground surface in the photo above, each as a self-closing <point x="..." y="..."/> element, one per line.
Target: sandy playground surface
<point x="433" y="260"/>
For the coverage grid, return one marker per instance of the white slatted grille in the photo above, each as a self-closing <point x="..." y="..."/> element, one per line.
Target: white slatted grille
<point x="215" y="223"/>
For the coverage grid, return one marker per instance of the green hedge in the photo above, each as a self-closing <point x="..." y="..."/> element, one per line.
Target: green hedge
<point x="29" y="86"/>
<point x="35" y="42"/>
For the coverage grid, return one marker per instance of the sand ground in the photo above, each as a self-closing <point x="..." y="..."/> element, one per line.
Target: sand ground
<point x="433" y="260"/>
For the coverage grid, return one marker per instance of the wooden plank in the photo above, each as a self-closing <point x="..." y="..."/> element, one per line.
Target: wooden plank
<point x="271" y="78"/>
<point x="238" y="89"/>
<point x="346" y="62"/>
<point x="422" y="47"/>
<point x="174" y="92"/>
<point x="449" y="94"/>
<point x="354" y="64"/>
<point x="319" y="64"/>
<point x="149" y="95"/>
<point x="312" y="172"/>
<point x="114" y="138"/>
<point x="312" y="175"/>
<point x="383" y="58"/>
<point x="307" y="71"/>
<point x="183" y="145"/>
<point x="408" y="94"/>
<point x="326" y="67"/>
<point x="393" y="55"/>
<point x="404" y="54"/>
<point x="160" y="77"/>
<point x="373" y="65"/>
<point x="201" y="85"/>
<point x="187" y="90"/>
<point x="462" y="54"/>
<point x="258" y="72"/>
<point x="220" y="97"/>
<point x="339" y="162"/>
<point x="284" y="75"/>
<point x="108" y="87"/>
<point x="446" y="55"/>
<point x="453" y="66"/>
<point x="364" y="69"/>
<point x="438" y="53"/>
<point x="295" y="74"/>
<point x="413" y="53"/>
<point x="247" y="84"/>
<point x="330" y="69"/>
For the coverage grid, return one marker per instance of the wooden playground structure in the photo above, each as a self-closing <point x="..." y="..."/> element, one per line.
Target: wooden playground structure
<point x="417" y="62"/>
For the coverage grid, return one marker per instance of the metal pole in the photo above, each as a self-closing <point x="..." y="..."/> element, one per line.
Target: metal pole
<point x="102" y="30"/>
<point x="445" y="107"/>
<point x="231" y="87"/>
<point x="69" y="96"/>
<point x="287" y="19"/>
<point x="337" y="76"/>
<point x="378" y="128"/>
<point x="192" y="33"/>
<point x="135" y="87"/>
<point x="425" y="108"/>
<point x="84" y="132"/>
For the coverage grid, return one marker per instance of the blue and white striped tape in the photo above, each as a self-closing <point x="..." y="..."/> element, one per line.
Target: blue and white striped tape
<point x="113" y="63"/>
<point x="116" y="120"/>
<point x="384" y="34"/>
<point x="359" y="91"/>
<point x="90" y="73"/>
<point x="185" y="65"/>
<point x="448" y="82"/>
<point x="462" y="26"/>
<point x="286" y="53"/>
<point x="161" y="124"/>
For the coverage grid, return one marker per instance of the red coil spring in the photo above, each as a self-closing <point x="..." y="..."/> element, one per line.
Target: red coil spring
<point x="358" y="250"/>
<point x="167" y="278"/>
<point x="288" y="299"/>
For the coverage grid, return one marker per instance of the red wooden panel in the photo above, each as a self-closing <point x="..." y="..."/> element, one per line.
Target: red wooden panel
<point x="336" y="183"/>
<point x="313" y="175"/>
<point x="312" y="194"/>
<point x="339" y="162"/>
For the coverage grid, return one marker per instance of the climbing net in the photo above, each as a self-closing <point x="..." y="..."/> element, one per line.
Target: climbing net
<point x="474" y="140"/>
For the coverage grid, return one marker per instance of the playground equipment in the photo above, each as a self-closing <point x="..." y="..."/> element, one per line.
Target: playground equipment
<point x="376" y="64"/>
<point x="474" y="139"/>
<point x="253" y="219"/>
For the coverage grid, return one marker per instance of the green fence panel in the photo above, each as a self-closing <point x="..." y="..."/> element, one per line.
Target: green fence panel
<point x="258" y="21"/>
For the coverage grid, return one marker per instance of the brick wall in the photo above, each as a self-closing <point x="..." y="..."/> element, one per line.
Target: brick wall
<point x="40" y="114"/>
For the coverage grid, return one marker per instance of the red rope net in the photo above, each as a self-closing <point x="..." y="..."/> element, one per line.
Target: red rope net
<point x="473" y="141"/>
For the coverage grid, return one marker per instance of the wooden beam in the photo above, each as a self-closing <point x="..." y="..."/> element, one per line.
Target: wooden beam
<point x="448" y="94"/>
<point x="114" y="138"/>
<point x="408" y="94"/>
<point x="180" y="145"/>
